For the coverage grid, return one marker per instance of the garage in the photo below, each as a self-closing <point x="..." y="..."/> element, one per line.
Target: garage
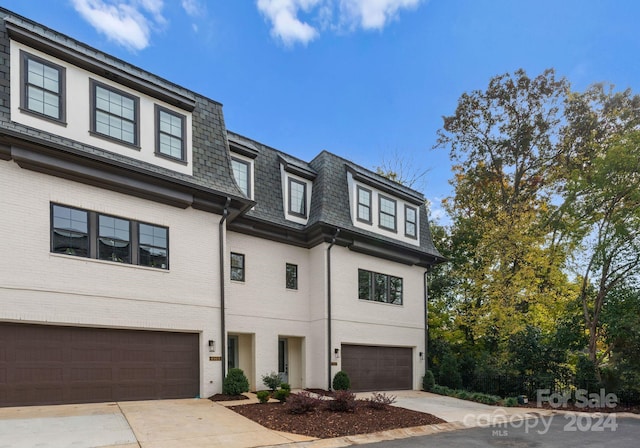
<point x="42" y="364"/>
<point x="373" y="368"/>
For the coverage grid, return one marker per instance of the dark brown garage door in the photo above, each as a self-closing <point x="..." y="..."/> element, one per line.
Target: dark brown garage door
<point x="378" y="368"/>
<point x="41" y="364"/>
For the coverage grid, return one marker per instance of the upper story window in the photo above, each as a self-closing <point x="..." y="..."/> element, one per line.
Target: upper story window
<point x="170" y="133"/>
<point x="242" y="174"/>
<point x="292" y="276"/>
<point x="387" y="213"/>
<point x="379" y="287"/>
<point x="364" y="205"/>
<point x="297" y="198"/>
<point x="43" y="85"/>
<point x="237" y="267"/>
<point x="90" y="234"/>
<point x="410" y="222"/>
<point x="114" y="114"/>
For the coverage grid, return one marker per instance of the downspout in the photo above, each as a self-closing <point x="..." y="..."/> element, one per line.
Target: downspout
<point x="426" y="320"/>
<point x="223" y="329"/>
<point x="333" y="242"/>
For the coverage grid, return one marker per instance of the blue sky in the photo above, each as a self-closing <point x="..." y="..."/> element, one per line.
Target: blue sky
<point x="365" y="79"/>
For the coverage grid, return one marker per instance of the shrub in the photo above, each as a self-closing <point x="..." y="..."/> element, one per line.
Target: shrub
<point x="281" y="394"/>
<point x="271" y="380"/>
<point x="235" y="383"/>
<point x="263" y="396"/>
<point x="341" y="381"/>
<point x="428" y="381"/>
<point x="343" y="401"/>
<point x="449" y="372"/>
<point x="285" y="386"/>
<point x="380" y="401"/>
<point x="510" y="402"/>
<point x="301" y="403"/>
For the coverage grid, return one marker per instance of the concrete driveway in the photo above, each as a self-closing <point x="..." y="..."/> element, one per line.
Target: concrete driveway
<point x="135" y="424"/>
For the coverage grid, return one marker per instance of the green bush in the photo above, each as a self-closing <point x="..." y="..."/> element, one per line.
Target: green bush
<point x="235" y="383"/>
<point x="449" y="372"/>
<point x="428" y="381"/>
<point x="341" y="381"/>
<point x="510" y="402"/>
<point x="285" y="386"/>
<point x="263" y="396"/>
<point x="281" y="394"/>
<point x="271" y="380"/>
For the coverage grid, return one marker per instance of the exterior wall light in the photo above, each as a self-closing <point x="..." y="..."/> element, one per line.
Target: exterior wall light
<point x="421" y="356"/>
<point x="212" y="345"/>
<point x="336" y="352"/>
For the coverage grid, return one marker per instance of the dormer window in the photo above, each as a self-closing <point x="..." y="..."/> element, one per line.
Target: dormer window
<point x="387" y="213"/>
<point x="297" y="198"/>
<point x="114" y="114"/>
<point x="410" y="222"/>
<point x="43" y="88"/>
<point x="170" y="134"/>
<point x="364" y="205"/>
<point x="242" y="174"/>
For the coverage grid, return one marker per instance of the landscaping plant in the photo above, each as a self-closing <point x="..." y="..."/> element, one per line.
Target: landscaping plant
<point x="341" y="381"/>
<point x="235" y="382"/>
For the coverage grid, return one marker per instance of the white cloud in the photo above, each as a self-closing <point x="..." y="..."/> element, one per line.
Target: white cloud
<point x="287" y="25"/>
<point x="193" y="7"/>
<point x="128" y="23"/>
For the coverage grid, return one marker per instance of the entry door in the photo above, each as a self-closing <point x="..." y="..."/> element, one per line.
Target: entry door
<point x="283" y="360"/>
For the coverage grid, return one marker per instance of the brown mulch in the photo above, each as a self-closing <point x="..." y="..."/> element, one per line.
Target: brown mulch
<point x="322" y="423"/>
<point x="225" y="397"/>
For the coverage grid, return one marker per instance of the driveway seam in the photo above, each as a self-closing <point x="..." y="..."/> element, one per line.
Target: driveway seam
<point x="128" y="423"/>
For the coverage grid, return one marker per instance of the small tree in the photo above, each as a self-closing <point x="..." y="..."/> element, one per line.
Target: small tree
<point x="341" y="381"/>
<point x="271" y="380"/>
<point x="235" y="383"/>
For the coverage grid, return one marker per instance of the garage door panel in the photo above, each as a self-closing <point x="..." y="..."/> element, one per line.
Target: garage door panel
<point x="378" y="368"/>
<point x="77" y="365"/>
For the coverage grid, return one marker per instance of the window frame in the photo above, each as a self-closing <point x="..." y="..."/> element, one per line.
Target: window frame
<point x="158" y="109"/>
<point x="369" y="206"/>
<point x="392" y="294"/>
<point x="99" y="236"/>
<point x="52" y="230"/>
<point x="395" y="213"/>
<point x="415" y="222"/>
<point x="291" y="283"/>
<point x="291" y="181"/>
<point x="93" y="235"/>
<point x="247" y="165"/>
<point x="25" y="57"/>
<point x="93" y="87"/>
<point x="243" y="268"/>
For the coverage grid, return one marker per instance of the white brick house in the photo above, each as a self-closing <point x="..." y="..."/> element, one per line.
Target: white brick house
<point x="148" y="249"/>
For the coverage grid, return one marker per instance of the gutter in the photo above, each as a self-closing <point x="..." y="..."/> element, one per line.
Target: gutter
<point x="333" y="242"/>
<point x="223" y="329"/>
<point x="426" y="320"/>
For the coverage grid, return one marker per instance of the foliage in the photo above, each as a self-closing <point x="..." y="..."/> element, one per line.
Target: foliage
<point x="263" y="396"/>
<point x="380" y="401"/>
<point x="285" y="386"/>
<point x="341" y="381"/>
<point x="465" y="395"/>
<point x="302" y="402"/>
<point x="343" y="401"/>
<point x="271" y="380"/>
<point x="586" y="375"/>
<point x="281" y="394"/>
<point x="428" y="381"/>
<point x="235" y="382"/>
<point x="449" y="374"/>
<point x="510" y="402"/>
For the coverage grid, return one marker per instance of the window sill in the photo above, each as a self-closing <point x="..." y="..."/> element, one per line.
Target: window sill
<point x="401" y="305"/>
<point x="109" y="263"/>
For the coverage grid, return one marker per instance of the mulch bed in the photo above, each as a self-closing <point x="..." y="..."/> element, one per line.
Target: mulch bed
<point x="225" y="397"/>
<point x="322" y="423"/>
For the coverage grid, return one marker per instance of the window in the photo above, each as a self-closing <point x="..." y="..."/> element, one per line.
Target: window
<point x="89" y="234"/>
<point x="410" y="222"/>
<point x="237" y="267"/>
<point x="43" y="87"/>
<point x="387" y="213"/>
<point x="170" y="134"/>
<point x="153" y="246"/>
<point x="364" y="205"/>
<point x="242" y="175"/>
<point x="297" y="198"/>
<point x="379" y="287"/>
<point x="114" y="114"/>
<point x="292" y="276"/>
<point x="69" y="231"/>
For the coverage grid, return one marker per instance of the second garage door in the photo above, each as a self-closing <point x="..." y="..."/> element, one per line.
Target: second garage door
<point x="373" y="368"/>
<point x="41" y="364"/>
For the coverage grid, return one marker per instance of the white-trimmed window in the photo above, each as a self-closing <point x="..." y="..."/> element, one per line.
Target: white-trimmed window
<point x="170" y="134"/>
<point x="297" y="197"/>
<point x="387" y="213"/>
<point x="410" y="222"/>
<point x="43" y="88"/>
<point x="242" y="173"/>
<point x="114" y="113"/>
<point x="364" y="204"/>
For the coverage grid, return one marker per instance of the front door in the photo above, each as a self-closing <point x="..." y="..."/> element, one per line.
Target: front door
<point x="283" y="360"/>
